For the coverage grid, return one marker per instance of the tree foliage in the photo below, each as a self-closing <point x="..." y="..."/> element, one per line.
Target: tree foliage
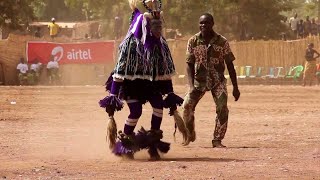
<point x="236" y="19"/>
<point x="15" y="13"/>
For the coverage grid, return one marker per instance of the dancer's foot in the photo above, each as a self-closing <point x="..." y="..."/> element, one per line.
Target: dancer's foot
<point x="154" y="155"/>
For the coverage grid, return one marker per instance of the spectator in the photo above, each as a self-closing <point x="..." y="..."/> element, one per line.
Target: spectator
<point x="178" y="34"/>
<point x="97" y="34"/>
<point x="35" y="71"/>
<point x="53" y="71"/>
<point x="86" y="36"/>
<point x="37" y="34"/>
<point x="310" y="69"/>
<point x="318" y="74"/>
<point x="307" y="27"/>
<point x="117" y="27"/>
<point x="318" y="23"/>
<point x="314" y="27"/>
<point x="54" y="28"/>
<point x="293" y="22"/>
<point x="22" y="71"/>
<point x="300" y="29"/>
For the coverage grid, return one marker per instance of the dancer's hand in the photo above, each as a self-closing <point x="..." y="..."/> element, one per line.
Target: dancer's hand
<point x="172" y="109"/>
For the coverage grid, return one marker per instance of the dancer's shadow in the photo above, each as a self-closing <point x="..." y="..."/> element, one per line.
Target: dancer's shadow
<point x="233" y="147"/>
<point x="195" y="159"/>
<point x="202" y="159"/>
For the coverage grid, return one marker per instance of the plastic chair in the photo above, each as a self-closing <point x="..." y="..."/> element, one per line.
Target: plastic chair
<point x="248" y="70"/>
<point x="259" y="72"/>
<point x="242" y="72"/>
<point x="289" y="71"/>
<point x="298" y="70"/>
<point x="271" y="73"/>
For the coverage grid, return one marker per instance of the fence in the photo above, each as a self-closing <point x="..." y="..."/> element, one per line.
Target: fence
<point x="256" y="53"/>
<point x="248" y="53"/>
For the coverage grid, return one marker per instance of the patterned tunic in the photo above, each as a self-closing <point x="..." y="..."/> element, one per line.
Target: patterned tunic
<point x="209" y="61"/>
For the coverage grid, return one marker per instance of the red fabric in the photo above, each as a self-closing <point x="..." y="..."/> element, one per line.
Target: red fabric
<point x="71" y="53"/>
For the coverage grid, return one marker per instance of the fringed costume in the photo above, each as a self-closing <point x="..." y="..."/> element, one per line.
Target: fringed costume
<point x="142" y="74"/>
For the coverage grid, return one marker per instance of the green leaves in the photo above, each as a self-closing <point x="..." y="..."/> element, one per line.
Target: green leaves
<point x="15" y="13"/>
<point x="235" y="19"/>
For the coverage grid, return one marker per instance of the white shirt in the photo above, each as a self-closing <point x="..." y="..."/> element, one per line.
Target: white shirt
<point x="52" y="64"/>
<point x="294" y="23"/>
<point x="23" y="68"/>
<point x="35" y="67"/>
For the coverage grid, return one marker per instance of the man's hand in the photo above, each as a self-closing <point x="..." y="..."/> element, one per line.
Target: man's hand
<point x="236" y="94"/>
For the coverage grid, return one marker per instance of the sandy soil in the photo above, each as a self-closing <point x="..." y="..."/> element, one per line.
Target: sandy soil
<point x="59" y="133"/>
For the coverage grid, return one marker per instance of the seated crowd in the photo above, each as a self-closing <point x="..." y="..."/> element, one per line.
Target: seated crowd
<point x="32" y="75"/>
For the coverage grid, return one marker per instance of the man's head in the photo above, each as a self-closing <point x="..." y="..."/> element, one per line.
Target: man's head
<point x="53" y="20"/>
<point x="206" y="23"/>
<point x="295" y="15"/>
<point x="22" y="60"/>
<point x="307" y="18"/>
<point x="310" y="45"/>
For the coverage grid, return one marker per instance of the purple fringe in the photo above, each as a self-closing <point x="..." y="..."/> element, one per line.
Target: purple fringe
<point x="142" y="140"/>
<point x="119" y="149"/>
<point x="172" y="100"/>
<point x="112" y="102"/>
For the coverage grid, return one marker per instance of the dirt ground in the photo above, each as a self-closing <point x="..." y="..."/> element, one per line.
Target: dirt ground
<point x="59" y="133"/>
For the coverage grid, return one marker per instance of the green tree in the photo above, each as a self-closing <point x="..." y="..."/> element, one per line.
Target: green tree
<point x="236" y="19"/>
<point x="15" y="13"/>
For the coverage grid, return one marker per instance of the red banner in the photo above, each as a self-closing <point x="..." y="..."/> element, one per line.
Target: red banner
<point x="71" y="53"/>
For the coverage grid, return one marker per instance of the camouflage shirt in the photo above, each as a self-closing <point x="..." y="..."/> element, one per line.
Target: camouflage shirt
<point x="209" y="60"/>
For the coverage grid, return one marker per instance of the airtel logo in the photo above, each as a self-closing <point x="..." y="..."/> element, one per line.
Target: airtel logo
<point x="57" y="53"/>
<point x="79" y="54"/>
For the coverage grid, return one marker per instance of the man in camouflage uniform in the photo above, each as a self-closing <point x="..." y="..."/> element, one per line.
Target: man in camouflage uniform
<point x="207" y="54"/>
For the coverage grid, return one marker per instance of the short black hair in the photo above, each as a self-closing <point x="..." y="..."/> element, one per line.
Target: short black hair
<point x="208" y="15"/>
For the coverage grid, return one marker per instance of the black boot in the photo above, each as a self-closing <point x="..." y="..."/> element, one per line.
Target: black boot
<point x="217" y="144"/>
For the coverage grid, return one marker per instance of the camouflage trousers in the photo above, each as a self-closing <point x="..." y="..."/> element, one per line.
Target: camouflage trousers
<point x="220" y="97"/>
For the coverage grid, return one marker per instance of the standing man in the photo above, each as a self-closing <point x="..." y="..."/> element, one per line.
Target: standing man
<point x="54" y="28"/>
<point x="53" y="71"/>
<point x="35" y="70"/>
<point x="117" y="27"/>
<point x="207" y="54"/>
<point x="22" y="70"/>
<point x="310" y="68"/>
<point x="293" y="22"/>
<point x="307" y="26"/>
